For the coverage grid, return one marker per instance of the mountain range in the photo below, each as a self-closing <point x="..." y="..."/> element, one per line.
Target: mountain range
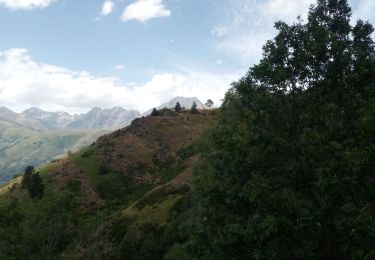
<point x="97" y="118"/>
<point x="35" y="136"/>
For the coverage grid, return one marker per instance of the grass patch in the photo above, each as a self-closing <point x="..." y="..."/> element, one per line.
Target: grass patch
<point x="111" y="186"/>
<point x="188" y="151"/>
<point x="157" y="214"/>
<point x="4" y="190"/>
<point x="158" y="196"/>
<point x="172" y="171"/>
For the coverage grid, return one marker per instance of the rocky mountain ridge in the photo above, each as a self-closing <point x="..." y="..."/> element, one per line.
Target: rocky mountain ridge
<point x="96" y="118"/>
<point x="185" y="102"/>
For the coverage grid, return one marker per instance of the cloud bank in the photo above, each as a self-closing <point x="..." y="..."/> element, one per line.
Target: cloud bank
<point x="145" y="10"/>
<point x="25" y="82"/>
<point x="25" y="4"/>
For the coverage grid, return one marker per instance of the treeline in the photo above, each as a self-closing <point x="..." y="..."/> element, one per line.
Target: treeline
<point x="179" y="109"/>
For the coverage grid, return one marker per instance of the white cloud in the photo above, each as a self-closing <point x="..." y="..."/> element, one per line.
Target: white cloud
<point x="247" y="24"/>
<point x="144" y="10"/>
<point x="25" y="4"/>
<point x="56" y="88"/>
<point x="119" y="67"/>
<point x="364" y="9"/>
<point x="107" y="7"/>
<point x="203" y="85"/>
<point x="220" y="31"/>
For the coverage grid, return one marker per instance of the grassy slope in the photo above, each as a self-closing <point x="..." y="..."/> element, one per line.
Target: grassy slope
<point x="129" y="189"/>
<point x="20" y="147"/>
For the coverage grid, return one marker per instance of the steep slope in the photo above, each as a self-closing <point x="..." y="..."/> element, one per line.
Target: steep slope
<point x="121" y="198"/>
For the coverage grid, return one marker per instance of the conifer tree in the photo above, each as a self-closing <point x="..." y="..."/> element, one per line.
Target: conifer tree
<point x="154" y="112"/>
<point x="36" y="187"/>
<point x="178" y="108"/>
<point x="27" y="176"/>
<point x="194" y="109"/>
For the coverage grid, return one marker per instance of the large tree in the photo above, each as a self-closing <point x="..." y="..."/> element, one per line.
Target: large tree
<point x="288" y="172"/>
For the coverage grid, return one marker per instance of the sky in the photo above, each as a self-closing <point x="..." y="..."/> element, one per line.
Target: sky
<point x="69" y="55"/>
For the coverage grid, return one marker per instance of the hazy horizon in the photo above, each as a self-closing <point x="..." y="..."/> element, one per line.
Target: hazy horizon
<point x="103" y="108"/>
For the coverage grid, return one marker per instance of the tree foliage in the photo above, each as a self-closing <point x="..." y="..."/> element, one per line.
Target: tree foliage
<point x="26" y="179"/>
<point x="209" y="103"/>
<point x="36" y="187"/>
<point x="194" y="108"/>
<point x="33" y="183"/>
<point x="154" y="112"/>
<point x="288" y="172"/>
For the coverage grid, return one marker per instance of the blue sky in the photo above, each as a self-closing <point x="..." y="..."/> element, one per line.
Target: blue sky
<point x="72" y="55"/>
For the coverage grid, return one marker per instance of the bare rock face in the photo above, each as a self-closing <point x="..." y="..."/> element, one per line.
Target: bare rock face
<point x="98" y="118"/>
<point x="50" y="120"/>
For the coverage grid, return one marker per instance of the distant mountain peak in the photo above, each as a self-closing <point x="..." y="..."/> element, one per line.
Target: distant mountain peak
<point x="32" y="109"/>
<point x="185" y="102"/>
<point x="7" y="114"/>
<point x="98" y="118"/>
<point x="5" y="110"/>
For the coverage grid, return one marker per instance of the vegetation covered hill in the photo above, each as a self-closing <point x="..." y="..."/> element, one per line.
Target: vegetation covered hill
<point x="21" y="146"/>
<point x="124" y="197"/>
<point x="35" y="137"/>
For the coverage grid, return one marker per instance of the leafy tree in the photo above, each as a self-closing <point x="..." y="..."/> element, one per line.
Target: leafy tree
<point x="287" y="172"/>
<point x="194" y="109"/>
<point x="178" y="108"/>
<point x="154" y="112"/>
<point x="209" y="103"/>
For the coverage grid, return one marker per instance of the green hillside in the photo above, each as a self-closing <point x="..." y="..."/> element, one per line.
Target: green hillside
<point x="20" y="147"/>
<point x="123" y="197"/>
